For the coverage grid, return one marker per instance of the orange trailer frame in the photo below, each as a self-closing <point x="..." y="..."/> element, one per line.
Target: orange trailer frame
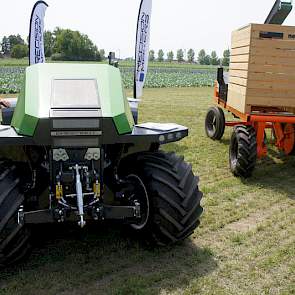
<point x="280" y="122"/>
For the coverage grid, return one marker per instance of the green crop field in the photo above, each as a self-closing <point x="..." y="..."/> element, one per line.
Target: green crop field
<point x="245" y="245"/>
<point x="24" y="62"/>
<point x="160" y="75"/>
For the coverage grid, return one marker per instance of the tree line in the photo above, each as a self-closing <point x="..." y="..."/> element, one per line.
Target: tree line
<point x="65" y="44"/>
<point x="203" y="58"/>
<point x="61" y="44"/>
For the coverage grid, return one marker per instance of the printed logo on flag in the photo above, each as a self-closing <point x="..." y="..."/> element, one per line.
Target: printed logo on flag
<point x="143" y="46"/>
<point x="38" y="36"/>
<point x="37" y="54"/>
<point x="141" y="77"/>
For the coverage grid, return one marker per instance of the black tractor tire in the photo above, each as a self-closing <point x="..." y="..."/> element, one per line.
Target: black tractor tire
<point x="243" y="151"/>
<point x="14" y="237"/>
<point x="215" y="123"/>
<point x="173" y="194"/>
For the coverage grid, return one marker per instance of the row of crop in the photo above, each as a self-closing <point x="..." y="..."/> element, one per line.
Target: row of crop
<point x="11" y="78"/>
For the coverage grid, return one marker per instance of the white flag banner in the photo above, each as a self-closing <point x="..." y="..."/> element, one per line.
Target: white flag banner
<point x="142" y="46"/>
<point x="36" y="38"/>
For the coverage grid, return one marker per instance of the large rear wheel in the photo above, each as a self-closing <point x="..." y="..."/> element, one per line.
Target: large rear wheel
<point x="172" y="194"/>
<point x="14" y="237"/>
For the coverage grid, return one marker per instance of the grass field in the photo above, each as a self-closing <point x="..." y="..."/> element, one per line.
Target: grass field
<point x="245" y="245"/>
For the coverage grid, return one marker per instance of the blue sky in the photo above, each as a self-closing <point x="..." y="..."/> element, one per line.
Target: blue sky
<point x="175" y="24"/>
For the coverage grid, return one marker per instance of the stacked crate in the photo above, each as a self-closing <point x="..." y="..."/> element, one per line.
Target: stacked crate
<point x="262" y="68"/>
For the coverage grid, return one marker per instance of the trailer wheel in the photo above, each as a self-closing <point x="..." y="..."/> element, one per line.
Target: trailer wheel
<point x="243" y="151"/>
<point x="215" y="123"/>
<point x="173" y="193"/>
<point x="14" y="238"/>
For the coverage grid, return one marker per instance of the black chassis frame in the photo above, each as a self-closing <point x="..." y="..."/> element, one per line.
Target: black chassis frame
<point x="46" y="136"/>
<point x="140" y="140"/>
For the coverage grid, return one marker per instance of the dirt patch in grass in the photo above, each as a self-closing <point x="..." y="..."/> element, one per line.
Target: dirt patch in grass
<point x="254" y="220"/>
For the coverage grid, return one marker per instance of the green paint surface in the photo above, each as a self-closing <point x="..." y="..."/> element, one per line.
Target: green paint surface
<point x="34" y="102"/>
<point x="23" y="122"/>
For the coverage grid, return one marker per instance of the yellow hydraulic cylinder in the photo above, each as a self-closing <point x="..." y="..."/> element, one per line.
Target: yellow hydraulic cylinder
<point x="96" y="189"/>
<point x="58" y="191"/>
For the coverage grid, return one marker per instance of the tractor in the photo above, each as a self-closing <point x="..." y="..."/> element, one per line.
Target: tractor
<point x="72" y="153"/>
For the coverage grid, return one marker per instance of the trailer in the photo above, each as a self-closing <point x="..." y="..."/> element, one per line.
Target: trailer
<point x="248" y="141"/>
<point x="258" y="90"/>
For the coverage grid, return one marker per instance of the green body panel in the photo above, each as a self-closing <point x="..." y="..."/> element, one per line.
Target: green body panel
<point x="122" y="124"/>
<point x="34" y="103"/>
<point x="22" y="121"/>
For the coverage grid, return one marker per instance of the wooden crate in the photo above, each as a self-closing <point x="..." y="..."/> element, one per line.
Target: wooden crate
<point x="262" y="67"/>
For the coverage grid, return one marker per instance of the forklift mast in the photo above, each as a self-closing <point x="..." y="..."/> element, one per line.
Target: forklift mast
<point x="279" y="12"/>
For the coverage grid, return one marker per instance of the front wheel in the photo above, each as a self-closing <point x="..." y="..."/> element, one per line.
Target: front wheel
<point x="243" y="151"/>
<point x="215" y="123"/>
<point x="173" y="196"/>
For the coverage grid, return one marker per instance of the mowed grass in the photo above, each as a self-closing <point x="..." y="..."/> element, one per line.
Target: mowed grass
<point x="245" y="244"/>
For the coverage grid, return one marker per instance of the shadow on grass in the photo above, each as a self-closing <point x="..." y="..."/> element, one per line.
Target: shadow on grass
<point x="177" y="148"/>
<point x="276" y="172"/>
<point x="225" y="141"/>
<point x="103" y="260"/>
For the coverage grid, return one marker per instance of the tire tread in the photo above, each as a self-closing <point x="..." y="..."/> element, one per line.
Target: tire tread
<point x="14" y="238"/>
<point x="174" y="195"/>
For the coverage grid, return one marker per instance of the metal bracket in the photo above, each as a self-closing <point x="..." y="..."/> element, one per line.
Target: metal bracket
<point x="104" y="212"/>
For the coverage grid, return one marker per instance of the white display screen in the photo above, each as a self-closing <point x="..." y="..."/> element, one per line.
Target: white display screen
<point x="75" y="93"/>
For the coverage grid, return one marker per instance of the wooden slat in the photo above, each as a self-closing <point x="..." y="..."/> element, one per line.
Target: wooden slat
<point x="236" y="100"/>
<point x="273" y="77"/>
<point x="237" y="88"/>
<point x="274" y="86"/>
<point x="238" y="81"/>
<point x="239" y="66"/>
<point x="240" y="58"/>
<point x="272" y="52"/>
<point x="268" y="60"/>
<point x="275" y="69"/>
<point x="290" y="110"/>
<point x="271" y="101"/>
<point x="271" y="27"/>
<point x="242" y="34"/>
<point x="285" y="30"/>
<point x="240" y="50"/>
<point x="284" y="94"/>
<point x="274" y="44"/>
<point x="238" y="73"/>
<point x="240" y="43"/>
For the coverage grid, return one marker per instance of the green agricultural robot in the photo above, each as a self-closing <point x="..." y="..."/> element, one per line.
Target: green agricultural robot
<point x="71" y="152"/>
